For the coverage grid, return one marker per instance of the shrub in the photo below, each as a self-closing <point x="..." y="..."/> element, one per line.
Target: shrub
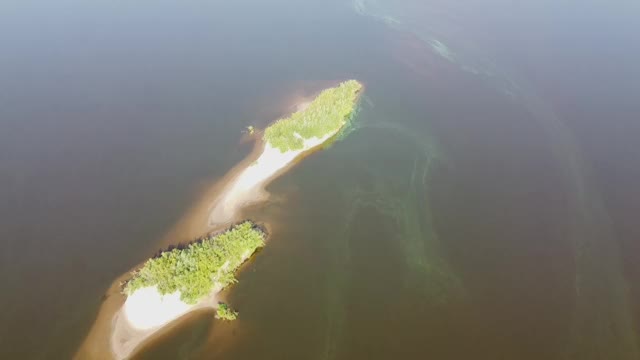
<point x="224" y="312"/>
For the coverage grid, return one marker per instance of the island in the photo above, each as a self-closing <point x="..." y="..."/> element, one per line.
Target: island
<point x="177" y="280"/>
<point x="182" y="279"/>
<point x="283" y="142"/>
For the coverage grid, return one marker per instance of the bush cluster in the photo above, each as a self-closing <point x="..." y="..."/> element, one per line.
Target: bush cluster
<point x="225" y="312"/>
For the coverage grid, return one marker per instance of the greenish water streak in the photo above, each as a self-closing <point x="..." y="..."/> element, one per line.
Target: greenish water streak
<point x="602" y="326"/>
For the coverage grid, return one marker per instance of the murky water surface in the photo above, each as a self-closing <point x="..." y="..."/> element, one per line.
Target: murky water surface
<point x="482" y="205"/>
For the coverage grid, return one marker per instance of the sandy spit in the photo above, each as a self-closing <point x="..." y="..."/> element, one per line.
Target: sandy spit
<point x="248" y="186"/>
<point x="125" y="323"/>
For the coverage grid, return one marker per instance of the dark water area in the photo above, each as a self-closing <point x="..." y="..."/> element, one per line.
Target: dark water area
<point x="482" y="204"/>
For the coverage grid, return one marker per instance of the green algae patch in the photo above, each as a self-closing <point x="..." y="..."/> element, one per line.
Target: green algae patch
<point x="195" y="269"/>
<point x="326" y="114"/>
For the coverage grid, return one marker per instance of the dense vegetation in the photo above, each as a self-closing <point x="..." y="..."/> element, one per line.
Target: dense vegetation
<point x="224" y="312"/>
<point x="327" y="113"/>
<point x="195" y="269"/>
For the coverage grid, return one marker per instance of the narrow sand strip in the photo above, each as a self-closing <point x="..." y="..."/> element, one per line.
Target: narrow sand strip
<point x="248" y="186"/>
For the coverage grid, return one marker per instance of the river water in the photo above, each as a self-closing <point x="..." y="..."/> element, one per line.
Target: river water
<point x="482" y="205"/>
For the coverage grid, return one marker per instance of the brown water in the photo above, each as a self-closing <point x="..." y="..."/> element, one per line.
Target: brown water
<point x="482" y="206"/>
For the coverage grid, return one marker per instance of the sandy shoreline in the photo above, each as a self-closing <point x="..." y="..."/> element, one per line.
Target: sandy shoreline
<point x="146" y="312"/>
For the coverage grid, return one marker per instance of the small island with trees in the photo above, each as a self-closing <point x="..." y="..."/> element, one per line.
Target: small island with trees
<point x="325" y="115"/>
<point x="195" y="270"/>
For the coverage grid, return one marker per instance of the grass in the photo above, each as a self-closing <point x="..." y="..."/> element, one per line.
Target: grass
<point x="194" y="269"/>
<point x="224" y="312"/>
<point x="327" y="113"/>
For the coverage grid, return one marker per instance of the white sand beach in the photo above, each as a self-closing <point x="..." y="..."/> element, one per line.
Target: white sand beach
<point x="248" y="186"/>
